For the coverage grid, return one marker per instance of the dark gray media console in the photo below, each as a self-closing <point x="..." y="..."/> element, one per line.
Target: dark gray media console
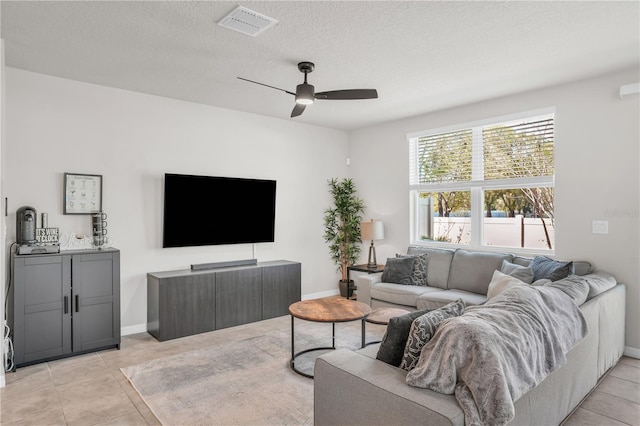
<point x="186" y="302"/>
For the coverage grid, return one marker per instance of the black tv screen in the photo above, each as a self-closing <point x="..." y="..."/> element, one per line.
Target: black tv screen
<point x="210" y="210"/>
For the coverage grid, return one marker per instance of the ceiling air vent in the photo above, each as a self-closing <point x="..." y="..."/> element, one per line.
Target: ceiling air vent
<point x="247" y="21"/>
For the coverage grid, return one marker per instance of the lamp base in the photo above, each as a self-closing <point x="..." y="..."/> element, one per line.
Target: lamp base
<point x="372" y="262"/>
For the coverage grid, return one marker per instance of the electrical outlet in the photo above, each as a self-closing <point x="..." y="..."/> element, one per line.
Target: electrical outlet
<point x="600" y="227"/>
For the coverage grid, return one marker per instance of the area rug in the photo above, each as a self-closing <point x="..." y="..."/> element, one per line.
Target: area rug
<point x="247" y="382"/>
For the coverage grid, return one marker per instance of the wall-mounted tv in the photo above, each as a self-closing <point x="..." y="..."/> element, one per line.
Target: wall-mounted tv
<point x="211" y="210"/>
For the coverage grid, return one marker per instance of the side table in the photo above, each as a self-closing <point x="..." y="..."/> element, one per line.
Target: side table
<point x="360" y="268"/>
<point x="331" y="310"/>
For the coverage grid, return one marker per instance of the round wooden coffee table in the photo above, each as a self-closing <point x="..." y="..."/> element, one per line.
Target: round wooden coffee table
<point x="330" y="309"/>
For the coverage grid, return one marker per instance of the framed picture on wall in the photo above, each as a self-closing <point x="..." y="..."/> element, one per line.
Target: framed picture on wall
<point x="82" y="193"/>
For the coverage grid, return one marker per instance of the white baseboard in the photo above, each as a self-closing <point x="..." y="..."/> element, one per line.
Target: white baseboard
<point x="133" y="329"/>
<point x="320" y="294"/>
<point x="631" y="352"/>
<point x="2" y="381"/>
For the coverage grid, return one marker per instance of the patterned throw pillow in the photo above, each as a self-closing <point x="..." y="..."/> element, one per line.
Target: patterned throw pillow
<point x="392" y="346"/>
<point x="419" y="272"/>
<point x="423" y="328"/>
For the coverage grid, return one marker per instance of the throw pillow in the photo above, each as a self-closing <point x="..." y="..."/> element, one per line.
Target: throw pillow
<point x="599" y="282"/>
<point x="500" y="282"/>
<point x="394" y="340"/>
<point x="523" y="273"/>
<point x="544" y="267"/>
<point x="422" y="330"/>
<point x="398" y="270"/>
<point x="419" y="272"/>
<point x="573" y="286"/>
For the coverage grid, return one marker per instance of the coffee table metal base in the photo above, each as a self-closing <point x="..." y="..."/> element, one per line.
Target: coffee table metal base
<point x="295" y="355"/>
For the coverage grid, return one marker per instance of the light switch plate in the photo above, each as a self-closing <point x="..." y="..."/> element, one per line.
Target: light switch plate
<point x="600" y="227"/>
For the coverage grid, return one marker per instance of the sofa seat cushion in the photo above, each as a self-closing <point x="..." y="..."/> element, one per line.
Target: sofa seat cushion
<point x="400" y="294"/>
<point x="437" y="299"/>
<point x="472" y="271"/>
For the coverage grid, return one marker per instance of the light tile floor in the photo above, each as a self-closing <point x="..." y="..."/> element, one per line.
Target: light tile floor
<point x="91" y="390"/>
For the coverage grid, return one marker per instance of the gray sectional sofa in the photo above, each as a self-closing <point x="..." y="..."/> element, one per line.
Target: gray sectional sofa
<point x="451" y="275"/>
<point x="355" y="388"/>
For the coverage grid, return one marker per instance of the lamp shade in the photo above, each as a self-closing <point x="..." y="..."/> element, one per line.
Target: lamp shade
<point x="372" y="230"/>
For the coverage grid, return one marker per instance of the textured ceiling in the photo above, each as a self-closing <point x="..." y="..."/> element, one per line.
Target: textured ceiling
<point x="420" y="56"/>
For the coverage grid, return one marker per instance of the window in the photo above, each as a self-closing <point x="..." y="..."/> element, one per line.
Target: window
<point x="485" y="184"/>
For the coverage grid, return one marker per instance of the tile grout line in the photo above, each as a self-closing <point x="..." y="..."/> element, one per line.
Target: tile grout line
<point x="127" y="383"/>
<point x="616" y="396"/>
<point x="605" y="415"/>
<point x="55" y="387"/>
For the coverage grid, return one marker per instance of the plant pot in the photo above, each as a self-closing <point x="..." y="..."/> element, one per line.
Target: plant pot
<point x="344" y="288"/>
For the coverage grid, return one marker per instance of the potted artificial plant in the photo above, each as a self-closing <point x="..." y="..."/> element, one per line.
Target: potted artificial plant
<point x="342" y="228"/>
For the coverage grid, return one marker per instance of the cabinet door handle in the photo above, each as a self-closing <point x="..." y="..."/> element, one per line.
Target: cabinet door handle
<point x="77" y="303"/>
<point x="66" y="304"/>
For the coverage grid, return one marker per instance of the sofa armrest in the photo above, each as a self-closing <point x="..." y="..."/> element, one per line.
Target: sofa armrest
<point x="364" y="284"/>
<point x="351" y="388"/>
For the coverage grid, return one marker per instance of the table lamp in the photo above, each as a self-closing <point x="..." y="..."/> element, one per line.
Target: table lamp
<point x="372" y="230"/>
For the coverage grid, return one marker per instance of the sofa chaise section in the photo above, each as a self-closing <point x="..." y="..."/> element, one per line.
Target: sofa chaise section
<point x="355" y="388"/>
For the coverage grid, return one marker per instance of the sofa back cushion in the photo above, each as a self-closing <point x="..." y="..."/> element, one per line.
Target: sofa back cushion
<point x="439" y="261"/>
<point x="472" y="270"/>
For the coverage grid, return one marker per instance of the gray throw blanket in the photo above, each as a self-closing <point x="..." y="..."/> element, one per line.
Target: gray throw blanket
<point x="494" y="353"/>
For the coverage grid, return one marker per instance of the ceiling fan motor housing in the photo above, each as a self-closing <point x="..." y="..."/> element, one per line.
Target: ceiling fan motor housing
<point x="305" y="94"/>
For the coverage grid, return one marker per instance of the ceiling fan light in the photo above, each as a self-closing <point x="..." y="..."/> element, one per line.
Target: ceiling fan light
<point x="305" y="94"/>
<point x="304" y="101"/>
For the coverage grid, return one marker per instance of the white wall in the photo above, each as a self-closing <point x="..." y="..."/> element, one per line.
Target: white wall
<point x="597" y="174"/>
<point x="3" y="233"/>
<point x="55" y="125"/>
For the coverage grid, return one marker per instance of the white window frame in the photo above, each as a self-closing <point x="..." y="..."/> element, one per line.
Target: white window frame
<point x="477" y="185"/>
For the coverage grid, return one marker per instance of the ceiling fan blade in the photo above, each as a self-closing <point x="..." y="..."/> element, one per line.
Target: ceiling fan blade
<point x="297" y="110"/>
<point x="262" y="84"/>
<point x="348" y="94"/>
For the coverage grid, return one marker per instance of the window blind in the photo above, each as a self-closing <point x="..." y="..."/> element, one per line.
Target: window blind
<point x="519" y="150"/>
<point x="445" y="157"/>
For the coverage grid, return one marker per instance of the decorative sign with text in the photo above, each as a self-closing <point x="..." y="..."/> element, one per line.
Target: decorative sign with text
<point x="47" y="236"/>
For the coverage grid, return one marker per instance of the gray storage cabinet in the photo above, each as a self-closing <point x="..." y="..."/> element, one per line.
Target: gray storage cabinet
<point x="185" y="302"/>
<point x="64" y="304"/>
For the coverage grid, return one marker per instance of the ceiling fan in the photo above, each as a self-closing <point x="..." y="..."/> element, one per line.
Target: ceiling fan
<point x="305" y="93"/>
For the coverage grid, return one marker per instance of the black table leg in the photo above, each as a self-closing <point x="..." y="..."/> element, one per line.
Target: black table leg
<point x="294" y="355"/>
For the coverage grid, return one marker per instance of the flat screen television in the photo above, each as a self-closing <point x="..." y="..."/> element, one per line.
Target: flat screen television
<point x="212" y="210"/>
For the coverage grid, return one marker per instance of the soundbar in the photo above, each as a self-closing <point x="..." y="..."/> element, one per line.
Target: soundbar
<point x="215" y="265"/>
